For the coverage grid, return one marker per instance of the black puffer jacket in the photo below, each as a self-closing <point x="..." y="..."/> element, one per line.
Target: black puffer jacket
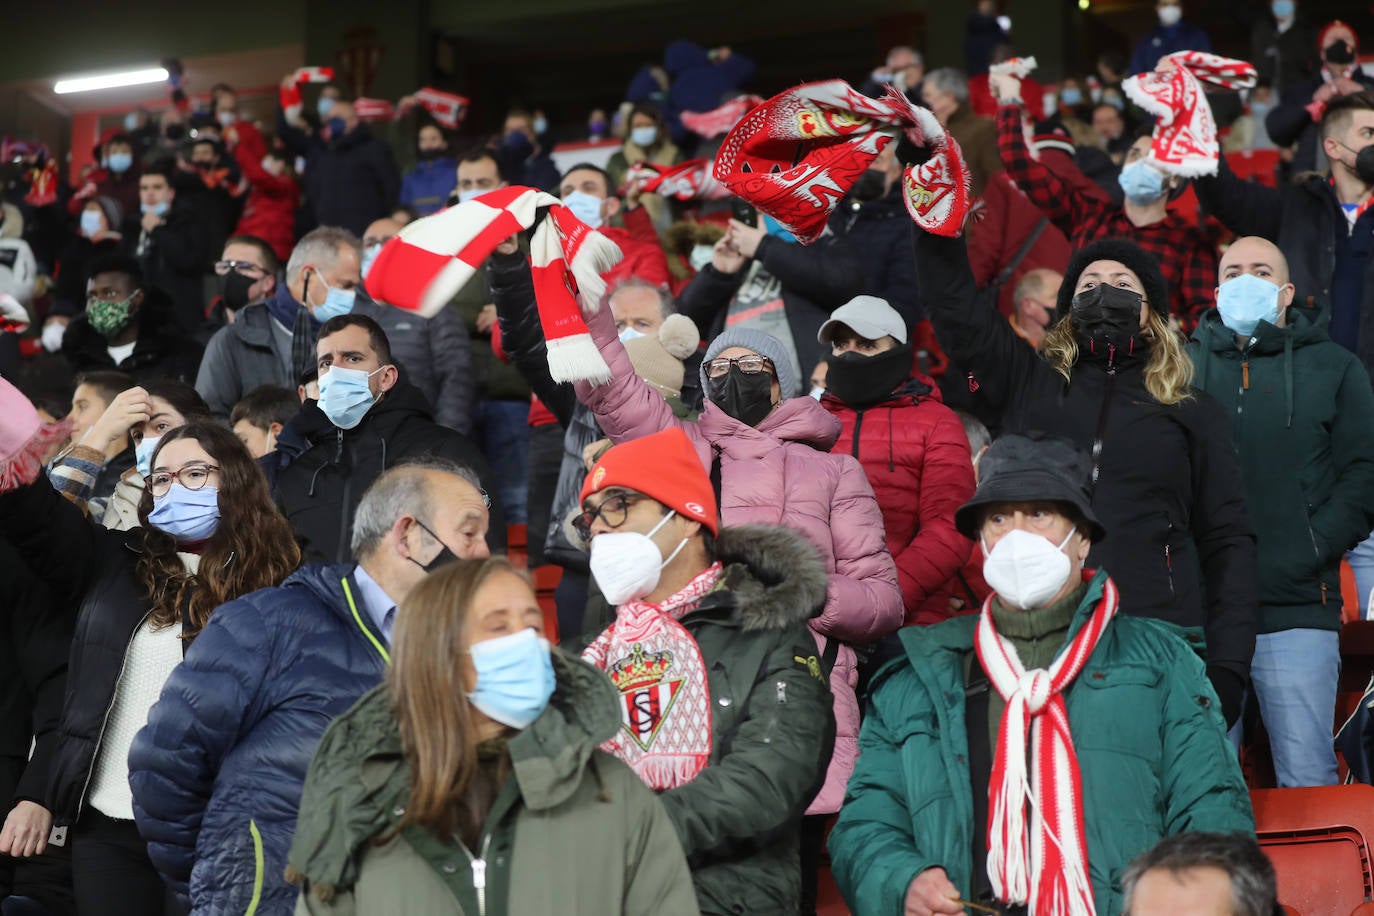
<point x="161" y="351"/>
<point x="320" y="472"/>
<point x="1179" y="544"/>
<point x="879" y="232"/>
<point x="92" y="569"/>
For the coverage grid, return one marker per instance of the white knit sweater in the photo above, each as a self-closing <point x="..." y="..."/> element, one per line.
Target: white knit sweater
<point x="149" y="661"/>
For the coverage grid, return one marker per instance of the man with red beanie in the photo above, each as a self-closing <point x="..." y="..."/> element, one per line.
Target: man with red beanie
<point x="726" y="709"/>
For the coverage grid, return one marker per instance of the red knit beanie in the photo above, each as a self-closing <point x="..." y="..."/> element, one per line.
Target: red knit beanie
<point x="663" y="466"/>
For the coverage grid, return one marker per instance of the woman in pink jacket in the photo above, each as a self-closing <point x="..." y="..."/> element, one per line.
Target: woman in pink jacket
<point x="769" y="449"/>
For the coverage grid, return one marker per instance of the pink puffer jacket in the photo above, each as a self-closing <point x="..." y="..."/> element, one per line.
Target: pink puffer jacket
<point x="782" y="473"/>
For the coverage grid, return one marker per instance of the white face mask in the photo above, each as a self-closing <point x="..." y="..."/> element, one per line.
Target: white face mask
<point x="1170" y="15"/>
<point x="1026" y="570"/>
<point x="701" y="256"/>
<point x="627" y="564"/>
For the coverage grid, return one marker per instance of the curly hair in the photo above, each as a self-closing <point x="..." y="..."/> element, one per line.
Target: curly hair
<point x="1168" y="373"/>
<point x="253" y="546"/>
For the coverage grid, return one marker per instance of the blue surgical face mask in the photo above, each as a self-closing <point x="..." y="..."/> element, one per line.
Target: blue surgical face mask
<point x="345" y="396"/>
<point x="143" y="455"/>
<point x="628" y="334"/>
<point x="776" y="229"/>
<point x="465" y="196"/>
<point x="187" y="515"/>
<point x="369" y="255"/>
<point x="324" y="106"/>
<point x="91" y="222"/>
<point x="514" y="677"/>
<point x="1282" y="9"/>
<point x="1142" y="182"/>
<point x="644" y="136"/>
<point x="541" y="126"/>
<point x="1115" y="101"/>
<point x="120" y="162"/>
<point x="585" y="207"/>
<point x="1071" y="96"/>
<point x="131" y="121"/>
<point x="337" y="301"/>
<point x="159" y="209"/>
<point x="1245" y="301"/>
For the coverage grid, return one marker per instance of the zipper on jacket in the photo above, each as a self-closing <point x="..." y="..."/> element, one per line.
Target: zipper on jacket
<point x="1316" y="554"/>
<point x="259" y="867"/>
<point x="100" y="736"/>
<point x="858" y="428"/>
<point x="346" y="517"/>
<point x="479" y="873"/>
<point x="1169" y="569"/>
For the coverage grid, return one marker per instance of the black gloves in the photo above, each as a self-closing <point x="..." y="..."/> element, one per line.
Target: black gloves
<point x="909" y="153"/>
<point x="1230" y="689"/>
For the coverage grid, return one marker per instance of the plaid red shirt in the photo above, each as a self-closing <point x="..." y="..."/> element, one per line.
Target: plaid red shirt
<point x="1189" y="261"/>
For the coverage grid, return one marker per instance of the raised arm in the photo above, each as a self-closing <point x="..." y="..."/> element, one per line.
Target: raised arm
<point x="1051" y="195"/>
<point x="522" y="338"/>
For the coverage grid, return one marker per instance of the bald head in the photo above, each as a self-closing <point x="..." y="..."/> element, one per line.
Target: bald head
<point x="1259" y="258"/>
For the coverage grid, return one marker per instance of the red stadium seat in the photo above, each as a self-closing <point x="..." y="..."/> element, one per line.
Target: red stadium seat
<point x="546" y="579"/>
<point x="517" y="546"/>
<point x="1319" y="842"/>
<point x="1262" y="165"/>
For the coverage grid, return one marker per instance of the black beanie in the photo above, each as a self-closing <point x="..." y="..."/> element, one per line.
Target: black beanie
<point x="1143" y="264"/>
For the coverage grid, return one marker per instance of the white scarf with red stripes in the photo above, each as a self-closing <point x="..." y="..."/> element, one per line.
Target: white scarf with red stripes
<point x="1045" y="868"/>
<point x="429" y="260"/>
<point x="1185" y="135"/>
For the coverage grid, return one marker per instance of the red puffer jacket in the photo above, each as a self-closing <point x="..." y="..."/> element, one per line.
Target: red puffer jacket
<point x="916" y="455"/>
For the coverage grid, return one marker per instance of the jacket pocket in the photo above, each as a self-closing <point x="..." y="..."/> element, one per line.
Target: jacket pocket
<point x="1096" y="699"/>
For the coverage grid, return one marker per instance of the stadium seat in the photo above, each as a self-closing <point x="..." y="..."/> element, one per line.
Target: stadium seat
<point x="517" y="546"/>
<point x="1260" y="165"/>
<point x="1319" y="842"/>
<point x="546" y="579"/>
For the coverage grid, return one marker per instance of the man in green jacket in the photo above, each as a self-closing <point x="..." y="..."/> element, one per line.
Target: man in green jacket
<point x="1302" y="417"/>
<point x="1106" y="720"/>
<point x="711" y="628"/>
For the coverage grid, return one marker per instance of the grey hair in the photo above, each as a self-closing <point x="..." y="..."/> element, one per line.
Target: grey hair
<point x="321" y="246"/>
<point x="666" y="306"/>
<point x="1254" y="890"/>
<point x="916" y="56"/>
<point x="948" y="79"/>
<point x="401" y="490"/>
<point x="978" y="436"/>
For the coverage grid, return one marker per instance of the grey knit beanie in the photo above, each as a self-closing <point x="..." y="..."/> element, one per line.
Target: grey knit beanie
<point x="765" y="345"/>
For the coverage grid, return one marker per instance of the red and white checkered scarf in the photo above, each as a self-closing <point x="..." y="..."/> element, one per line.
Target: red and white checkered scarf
<point x="1185" y="136"/>
<point x="1045" y="868"/>
<point x="665" y="700"/>
<point x="432" y="258"/>
<point x="690" y="180"/>
<point x="796" y="155"/>
<point x="717" y="121"/>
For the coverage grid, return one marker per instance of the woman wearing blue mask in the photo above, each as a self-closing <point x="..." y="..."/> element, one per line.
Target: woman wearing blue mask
<point x="471" y="781"/>
<point x="647" y="141"/>
<point x="208" y="533"/>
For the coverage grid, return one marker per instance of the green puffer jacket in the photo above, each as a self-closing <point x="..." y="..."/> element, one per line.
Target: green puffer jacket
<point x="1302" y="417"/>
<point x="583" y="836"/>
<point x="1146" y="725"/>
<point x="772" y="724"/>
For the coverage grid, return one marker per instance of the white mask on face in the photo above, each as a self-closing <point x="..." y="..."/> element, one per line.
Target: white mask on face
<point x="1170" y="15"/>
<point x="627" y="564"/>
<point x="1025" y="569"/>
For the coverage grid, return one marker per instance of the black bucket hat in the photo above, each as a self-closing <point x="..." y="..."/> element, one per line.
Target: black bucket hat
<point x="1031" y="468"/>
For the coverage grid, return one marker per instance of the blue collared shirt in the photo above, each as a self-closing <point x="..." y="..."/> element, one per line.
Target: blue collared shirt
<point x="380" y="609"/>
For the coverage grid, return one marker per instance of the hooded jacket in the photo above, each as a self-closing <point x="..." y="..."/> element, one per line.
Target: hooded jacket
<point x="577" y="831"/>
<point x="217" y="771"/>
<point x="1151" y="749"/>
<point x="319" y="472"/>
<point x="242" y="356"/>
<point x="781" y="473"/>
<point x="161" y="350"/>
<point x="1179" y="544"/>
<point x="916" y="455"/>
<point x="1302" y="418"/>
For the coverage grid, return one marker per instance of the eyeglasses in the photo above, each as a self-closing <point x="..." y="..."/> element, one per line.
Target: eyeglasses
<point x="247" y="268"/>
<point x="749" y="365"/>
<point x="613" y="510"/>
<point x="192" y="477"/>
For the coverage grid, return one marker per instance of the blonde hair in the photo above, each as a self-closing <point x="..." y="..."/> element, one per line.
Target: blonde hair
<point x="1168" y="373"/>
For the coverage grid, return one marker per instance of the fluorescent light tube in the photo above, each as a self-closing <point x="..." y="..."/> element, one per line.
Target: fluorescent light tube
<point x="110" y="80"/>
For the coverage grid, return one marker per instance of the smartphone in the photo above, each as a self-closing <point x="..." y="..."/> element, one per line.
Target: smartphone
<point x="744" y="211"/>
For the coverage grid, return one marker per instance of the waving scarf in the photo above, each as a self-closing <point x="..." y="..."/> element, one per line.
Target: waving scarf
<point x="688" y="180"/>
<point x="1185" y="135"/>
<point x="717" y="121"/>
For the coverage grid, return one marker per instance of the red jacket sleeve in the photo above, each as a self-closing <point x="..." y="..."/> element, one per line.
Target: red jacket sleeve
<point x="938" y="551"/>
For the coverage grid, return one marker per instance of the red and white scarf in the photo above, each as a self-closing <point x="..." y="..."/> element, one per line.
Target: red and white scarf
<point x="290" y="96"/>
<point x="665" y="700"/>
<point x="796" y="155"/>
<point x="432" y="258"/>
<point x="1045" y="868"/>
<point x="1185" y="135"/>
<point x="717" y="121"/>
<point x="690" y="180"/>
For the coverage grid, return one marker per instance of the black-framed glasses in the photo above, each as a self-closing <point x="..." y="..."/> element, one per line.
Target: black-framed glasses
<point x="247" y="268"/>
<point x="749" y="365"/>
<point x="614" y="509"/>
<point x="192" y="477"/>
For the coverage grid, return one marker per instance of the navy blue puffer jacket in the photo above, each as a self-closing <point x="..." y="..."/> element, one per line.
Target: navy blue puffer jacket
<point x="218" y="770"/>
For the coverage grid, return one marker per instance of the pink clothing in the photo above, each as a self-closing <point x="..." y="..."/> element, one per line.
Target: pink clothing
<point x="782" y="473"/>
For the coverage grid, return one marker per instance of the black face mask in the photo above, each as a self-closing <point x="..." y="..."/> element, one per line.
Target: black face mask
<point x="869" y="186"/>
<point x="748" y="397"/>
<point x="862" y="381"/>
<point x="233" y="290"/>
<point x="442" y="557"/>
<point x="174" y="132"/>
<point x="1364" y="163"/>
<point x="429" y="155"/>
<point x="1341" y="53"/>
<point x="1106" y="320"/>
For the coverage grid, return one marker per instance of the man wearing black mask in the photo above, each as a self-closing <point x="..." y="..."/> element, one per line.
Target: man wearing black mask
<point x="912" y="447"/>
<point x="247" y="272"/>
<point x="1298" y="116"/>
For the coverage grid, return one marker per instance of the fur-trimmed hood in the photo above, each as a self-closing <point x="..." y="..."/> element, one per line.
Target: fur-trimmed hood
<point x="775" y="574"/>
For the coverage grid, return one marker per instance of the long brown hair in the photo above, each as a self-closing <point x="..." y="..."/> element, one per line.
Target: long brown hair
<point x="438" y="730"/>
<point x="1168" y="373"/>
<point x="252" y="547"/>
